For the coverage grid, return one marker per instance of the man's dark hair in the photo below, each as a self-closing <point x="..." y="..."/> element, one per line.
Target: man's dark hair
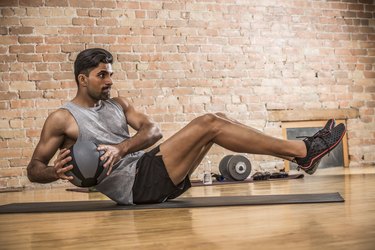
<point x="89" y="59"/>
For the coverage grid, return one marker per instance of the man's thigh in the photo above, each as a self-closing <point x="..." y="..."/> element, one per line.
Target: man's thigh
<point x="182" y="150"/>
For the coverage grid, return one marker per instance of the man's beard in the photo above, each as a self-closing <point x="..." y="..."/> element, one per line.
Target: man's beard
<point x="104" y="95"/>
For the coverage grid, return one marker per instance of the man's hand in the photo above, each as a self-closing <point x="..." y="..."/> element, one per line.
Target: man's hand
<point x="111" y="156"/>
<point x="59" y="164"/>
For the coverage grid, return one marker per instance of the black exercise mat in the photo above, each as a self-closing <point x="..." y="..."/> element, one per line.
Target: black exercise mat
<point x="250" y="180"/>
<point x="196" y="183"/>
<point x="192" y="202"/>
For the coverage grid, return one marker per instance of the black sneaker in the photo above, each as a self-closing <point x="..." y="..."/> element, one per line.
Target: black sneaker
<point x="319" y="145"/>
<point x="330" y="124"/>
<point x="327" y="127"/>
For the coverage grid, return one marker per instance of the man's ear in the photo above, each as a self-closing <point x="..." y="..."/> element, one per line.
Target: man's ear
<point x="82" y="79"/>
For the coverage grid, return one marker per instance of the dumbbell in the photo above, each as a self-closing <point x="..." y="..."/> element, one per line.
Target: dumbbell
<point x="235" y="167"/>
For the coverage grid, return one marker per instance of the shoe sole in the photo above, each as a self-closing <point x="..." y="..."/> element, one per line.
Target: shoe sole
<point x="315" y="161"/>
<point x="313" y="169"/>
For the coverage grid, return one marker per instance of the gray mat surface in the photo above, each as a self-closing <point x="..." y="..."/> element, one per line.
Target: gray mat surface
<point x="192" y="202"/>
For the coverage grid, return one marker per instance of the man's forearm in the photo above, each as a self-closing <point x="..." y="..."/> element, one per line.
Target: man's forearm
<point x="39" y="172"/>
<point x="144" y="138"/>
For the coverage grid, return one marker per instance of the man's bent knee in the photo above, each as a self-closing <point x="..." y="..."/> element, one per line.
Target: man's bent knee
<point x="210" y="118"/>
<point x="211" y="121"/>
<point x="219" y="114"/>
<point x="214" y="117"/>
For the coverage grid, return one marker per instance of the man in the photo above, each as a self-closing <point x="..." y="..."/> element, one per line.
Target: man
<point x="163" y="173"/>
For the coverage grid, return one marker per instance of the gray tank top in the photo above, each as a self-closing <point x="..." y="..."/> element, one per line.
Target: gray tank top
<point x="106" y="124"/>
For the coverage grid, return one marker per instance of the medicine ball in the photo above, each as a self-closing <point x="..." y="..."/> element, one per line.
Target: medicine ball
<point x="87" y="169"/>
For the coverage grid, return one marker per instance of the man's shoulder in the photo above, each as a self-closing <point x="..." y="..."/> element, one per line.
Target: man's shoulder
<point x="118" y="99"/>
<point x="59" y="116"/>
<point x="61" y="112"/>
<point x="121" y="101"/>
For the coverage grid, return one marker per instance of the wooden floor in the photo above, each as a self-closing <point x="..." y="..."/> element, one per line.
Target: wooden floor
<point x="349" y="225"/>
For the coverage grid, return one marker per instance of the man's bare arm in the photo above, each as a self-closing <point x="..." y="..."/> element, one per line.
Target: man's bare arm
<point x="148" y="133"/>
<point x="51" y="139"/>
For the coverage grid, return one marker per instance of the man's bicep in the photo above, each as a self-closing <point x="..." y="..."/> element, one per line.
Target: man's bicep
<point x="134" y="118"/>
<point x="51" y="139"/>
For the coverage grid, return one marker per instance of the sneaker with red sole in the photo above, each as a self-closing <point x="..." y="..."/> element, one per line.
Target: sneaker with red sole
<point x="320" y="144"/>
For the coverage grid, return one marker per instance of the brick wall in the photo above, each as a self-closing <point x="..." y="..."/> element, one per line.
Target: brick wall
<point x="176" y="60"/>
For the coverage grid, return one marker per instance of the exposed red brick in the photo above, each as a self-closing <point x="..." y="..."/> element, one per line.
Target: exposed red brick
<point x="31" y="3"/>
<point x="176" y="61"/>
<point x="21" y="49"/>
<point x="29" y="58"/>
<point x="30" y="39"/>
<point x="21" y="30"/>
<point x="9" y="3"/>
<point x="57" y="3"/>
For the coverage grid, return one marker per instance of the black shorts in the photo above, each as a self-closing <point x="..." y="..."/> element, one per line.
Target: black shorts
<point x="152" y="183"/>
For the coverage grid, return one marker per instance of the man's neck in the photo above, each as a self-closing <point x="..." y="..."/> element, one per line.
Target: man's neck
<point x="86" y="103"/>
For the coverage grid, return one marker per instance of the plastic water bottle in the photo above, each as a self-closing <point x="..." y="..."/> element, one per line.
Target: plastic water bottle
<point x="207" y="177"/>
